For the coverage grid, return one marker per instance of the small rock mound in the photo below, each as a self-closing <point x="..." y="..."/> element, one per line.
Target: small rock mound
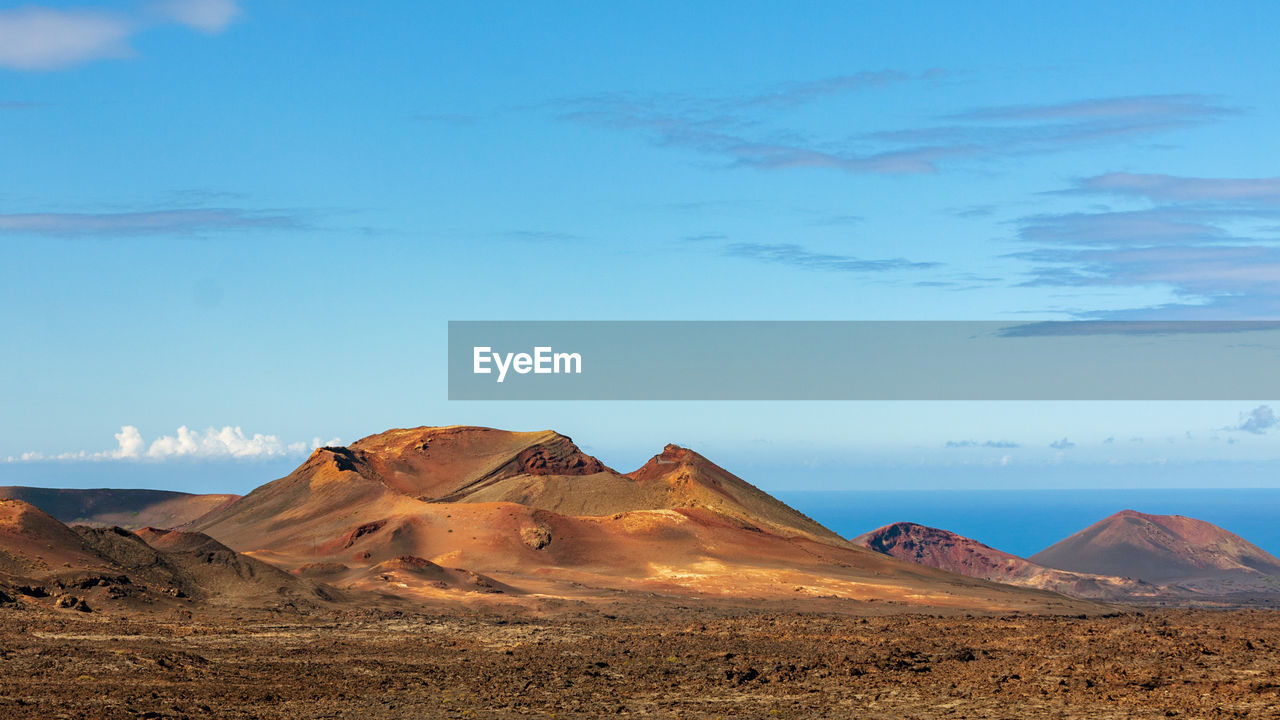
<point x="536" y="537"/>
<point x="321" y="569"/>
<point x="71" y="602"/>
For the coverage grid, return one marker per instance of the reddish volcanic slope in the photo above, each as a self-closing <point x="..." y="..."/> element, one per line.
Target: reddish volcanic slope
<point x="675" y="478"/>
<point x="965" y="556"/>
<point x="124" y="508"/>
<point x="35" y="545"/>
<point x="405" y="511"/>
<point x="1166" y="548"/>
<point x="413" y="471"/>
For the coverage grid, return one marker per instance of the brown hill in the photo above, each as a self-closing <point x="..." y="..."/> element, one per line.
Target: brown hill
<point x="35" y="546"/>
<point x="124" y="508"/>
<point x="675" y="478"/>
<point x="87" y="568"/>
<point x="1166" y="549"/>
<point x="958" y="554"/>
<point x="204" y="568"/>
<point x="534" y="513"/>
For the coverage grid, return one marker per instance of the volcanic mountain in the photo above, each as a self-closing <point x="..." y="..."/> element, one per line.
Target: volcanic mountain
<point x="195" y="565"/>
<point x="43" y="558"/>
<point x="125" y="508"/>
<point x="33" y="545"/>
<point x="535" y="514"/>
<point x="1167" y="549"/>
<point x="965" y="556"/>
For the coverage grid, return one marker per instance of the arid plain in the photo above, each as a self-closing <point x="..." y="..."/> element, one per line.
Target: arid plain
<point x="642" y="660"/>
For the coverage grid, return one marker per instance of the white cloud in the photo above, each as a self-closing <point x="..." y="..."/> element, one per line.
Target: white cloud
<point x="226" y="443"/>
<point x="209" y="16"/>
<point x="36" y="38"/>
<point x="42" y="38"/>
<point x="130" y="441"/>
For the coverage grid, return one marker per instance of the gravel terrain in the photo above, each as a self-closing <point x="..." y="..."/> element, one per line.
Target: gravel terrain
<point x="665" y="661"/>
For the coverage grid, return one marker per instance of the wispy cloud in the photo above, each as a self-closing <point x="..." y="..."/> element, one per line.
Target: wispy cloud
<point x="1245" y="192"/>
<point x="971" y="211"/>
<point x="1148" y="227"/>
<point x="1028" y="129"/>
<point x="226" y="443"/>
<point x="1194" y="271"/>
<point x="733" y="127"/>
<point x="799" y="93"/>
<point x="741" y="132"/>
<point x="1078" y="328"/>
<point x="183" y="221"/>
<point x="720" y="129"/>
<point x="1000" y="444"/>
<point x="1143" y="107"/>
<point x="797" y="256"/>
<point x="1211" y="241"/>
<point x="45" y="38"/>
<point x="1258" y="420"/>
<point x="38" y="38"/>
<point x="207" y="16"/>
<point x="546" y="236"/>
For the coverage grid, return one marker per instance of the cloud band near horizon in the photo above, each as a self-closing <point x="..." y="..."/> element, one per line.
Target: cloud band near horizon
<point x="225" y="443"/>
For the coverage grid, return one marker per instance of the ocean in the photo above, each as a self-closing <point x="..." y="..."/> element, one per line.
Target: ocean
<point x="1023" y="522"/>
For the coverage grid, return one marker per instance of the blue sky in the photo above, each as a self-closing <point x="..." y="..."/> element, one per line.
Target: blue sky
<point x="261" y="215"/>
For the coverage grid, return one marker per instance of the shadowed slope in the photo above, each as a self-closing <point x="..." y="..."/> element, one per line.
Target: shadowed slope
<point x="209" y="568"/>
<point x="124" y="508"/>
<point x="958" y="554"/>
<point x="1166" y="548"/>
<point x="111" y="567"/>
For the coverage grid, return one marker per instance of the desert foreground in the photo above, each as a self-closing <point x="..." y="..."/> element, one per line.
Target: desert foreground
<point x="659" y="660"/>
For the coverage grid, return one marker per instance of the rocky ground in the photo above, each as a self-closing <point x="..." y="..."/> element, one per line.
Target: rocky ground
<point x="663" y="662"/>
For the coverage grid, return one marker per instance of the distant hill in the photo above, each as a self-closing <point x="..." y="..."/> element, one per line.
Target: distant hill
<point x="965" y="556"/>
<point x="86" y="568"/>
<point x="1167" y="549"/>
<point x="34" y="545"/>
<point x="125" y="508"/>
